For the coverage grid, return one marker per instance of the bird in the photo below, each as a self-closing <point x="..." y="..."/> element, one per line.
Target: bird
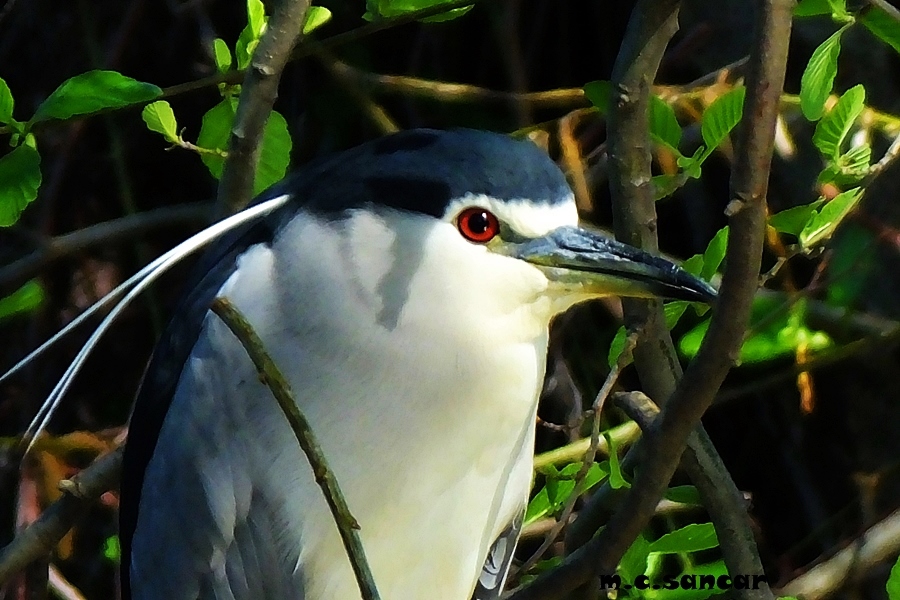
<point x="406" y="288"/>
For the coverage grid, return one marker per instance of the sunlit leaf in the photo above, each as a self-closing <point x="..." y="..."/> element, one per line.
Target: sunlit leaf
<point x="93" y="91"/>
<point x="25" y="299"/>
<point x="111" y="549"/>
<point x="818" y="77"/>
<point x="693" y="265"/>
<point x="832" y="130"/>
<point x="275" y="155"/>
<point x="893" y="582"/>
<point x="20" y="178"/>
<point x="772" y="336"/>
<point x="6" y="103"/>
<point x="222" y="55"/>
<point x="599" y="93"/>
<point x="855" y="162"/>
<point x="634" y="562"/>
<point x="394" y="8"/>
<point x="215" y="129"/>
<point x="793" y="220"/>
<point x="256" y="17"/>
<point x="882" y="25"/>
<point x="316" y="16"/>
<point x="720" y="118"/>
<point x="673" y="311"/>
<point x="715" y="253"/>
<point x="616" y="477"/>
<point x="690" y="538"/>
<point x="822" y="225"/>
<point x="160" y="118"/>
<point x="617" y="346"/>
<point x="664" y="127"/>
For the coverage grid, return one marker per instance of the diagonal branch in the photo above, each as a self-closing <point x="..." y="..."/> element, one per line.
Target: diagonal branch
<point x="271" y="375"/>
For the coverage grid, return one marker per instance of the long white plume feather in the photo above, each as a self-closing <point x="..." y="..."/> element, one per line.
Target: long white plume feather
<point x="134" y="286"/>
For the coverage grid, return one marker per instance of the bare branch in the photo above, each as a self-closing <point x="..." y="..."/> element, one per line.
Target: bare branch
<point x="271" y="375"/>
<point x="38" y="539"/>
<point x="258" y="93"/>
<point x="746" y="212"/>
<point x="16" y="273"/>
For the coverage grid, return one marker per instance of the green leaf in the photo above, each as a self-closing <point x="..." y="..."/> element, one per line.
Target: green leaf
<point x="222" y="55"/>
<point x="93" y="91"/>
<point x="248" y="40"/>
<point x="821" y="226"/>
<point x="715" y="253"/>
<point x="693" y="265"/>
<point x="112" y="550"/>
<point x="832" y="130"/>
<point x="664" y="127"/>
<point x="812" y="8"/>
<point x="853" y="251"/>
<point x="818" y="77"/>
<point x="6" y="103"/>
<point x="673" y="312"/>
<point x="893" y="582"/>
<point x="720" y="118"/>
<point x="20" y="178"/>
<point x="24" y="300"/>
<point x="316" y="16"/>
<point x="600" y="94"/>
<point x="883" y="25"/>
<point x="215" y="128"/>
<point x="616" y="478"/>
<point x="665" y="185"/>
<point x="854" y="164"/>
<point x="553" y="497"/>
<point x="691" y="164"/>
<point x="617" y="346"/>
<point x="256" y="17"/>
<point x="159" y="118"/>
<point x="275" y="154"/>
<point x="394" y="8"/>
<point x="793" y="220"/>
<point x="772" y="336"/>
<point x="634" y="562"/>
<point x="690" y="538"/>
<point x="685" y="494"/>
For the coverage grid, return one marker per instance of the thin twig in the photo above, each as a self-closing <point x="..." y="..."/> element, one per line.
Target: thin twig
<point x="40" y="537"/>
<point x="273" y="378"/>
<point x="587" y="461"/>
<point x="461" y="93"/>
<point x="124" y="228"/>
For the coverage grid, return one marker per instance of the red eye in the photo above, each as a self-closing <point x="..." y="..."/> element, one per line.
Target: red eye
<point x="478" y="225"/>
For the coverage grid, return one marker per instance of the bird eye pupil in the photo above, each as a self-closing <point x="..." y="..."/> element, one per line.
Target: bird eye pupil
<point x="478" y="222"/>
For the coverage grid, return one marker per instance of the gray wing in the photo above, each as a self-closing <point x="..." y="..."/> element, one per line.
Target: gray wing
<point x="496" y="567"/>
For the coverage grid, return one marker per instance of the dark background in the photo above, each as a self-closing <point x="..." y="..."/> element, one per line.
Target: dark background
<point x="815" y="481"/>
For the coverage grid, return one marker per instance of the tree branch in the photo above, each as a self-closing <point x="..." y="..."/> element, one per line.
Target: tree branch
<point x="273" y="378"/>
<point x="17" y="272"/>
<point x="38" y="539"/>
<point x="664" y="446"/>
<point x="258" y="93"/>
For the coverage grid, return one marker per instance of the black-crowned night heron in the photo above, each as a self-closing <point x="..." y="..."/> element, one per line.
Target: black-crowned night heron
<point x="405" y="288"/>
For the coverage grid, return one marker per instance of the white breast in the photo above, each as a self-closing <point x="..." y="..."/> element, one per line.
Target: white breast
<point x="419" y="373"/>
